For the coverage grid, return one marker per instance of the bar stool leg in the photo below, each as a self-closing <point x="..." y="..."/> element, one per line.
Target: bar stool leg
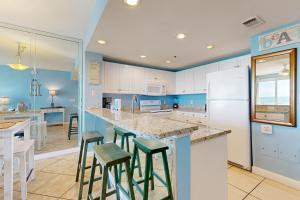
<point x="121" y="165"/>
<point x="167" y="174"/>
<point x="104" y="183"/>
<point x="79" y="160"/>
<point x="151" y="173"/>
<point x="83" y="163"/>
<point x="147" y="174"/>
<point x="117" y="181"/>
<point x="135" y="151"/>
<point x="70" y="127"/>
<point x="91" y="182"/>
<point x="129" y="178"/>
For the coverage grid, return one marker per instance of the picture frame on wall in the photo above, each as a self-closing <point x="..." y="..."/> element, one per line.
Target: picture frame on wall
<point x="94" y="73"/>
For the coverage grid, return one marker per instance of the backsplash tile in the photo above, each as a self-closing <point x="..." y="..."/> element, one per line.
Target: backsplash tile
<point x="191" y="101"/>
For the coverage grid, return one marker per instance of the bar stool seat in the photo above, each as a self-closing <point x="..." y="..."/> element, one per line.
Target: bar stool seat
<point x="151" y="147"/>
<point x="111" y="155"/>
<point x="87" y="138"/>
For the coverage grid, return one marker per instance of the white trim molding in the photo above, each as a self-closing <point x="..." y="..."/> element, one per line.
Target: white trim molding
<point x="277" y="177"/>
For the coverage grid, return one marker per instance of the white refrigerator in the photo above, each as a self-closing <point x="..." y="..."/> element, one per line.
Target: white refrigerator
<point x="228" y="108"/>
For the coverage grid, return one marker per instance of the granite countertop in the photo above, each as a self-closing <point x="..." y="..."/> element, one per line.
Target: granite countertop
<point x="159" y="125"/>
<point x="206" y="133"/>
<point x="144" y="124"/>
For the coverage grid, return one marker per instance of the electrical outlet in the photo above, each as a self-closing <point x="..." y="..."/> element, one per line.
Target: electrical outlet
<point x="266" y="129"/>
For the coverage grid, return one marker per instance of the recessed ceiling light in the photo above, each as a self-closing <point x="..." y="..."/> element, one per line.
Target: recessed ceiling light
<point x="132" y="2"/>
<point x="143" y="56"/>
<point x="181" y="36"/>
<point x="101" y="41"/>
<point x="210" y="46"/>
<point x="168" y="61"/>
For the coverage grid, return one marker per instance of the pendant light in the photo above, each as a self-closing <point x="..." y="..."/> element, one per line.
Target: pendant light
<point x="19" y="66"/>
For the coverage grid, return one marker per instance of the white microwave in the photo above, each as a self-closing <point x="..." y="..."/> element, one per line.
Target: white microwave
<point x="155" y="89"/>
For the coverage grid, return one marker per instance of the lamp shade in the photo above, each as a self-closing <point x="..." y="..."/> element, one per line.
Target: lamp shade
<point x="4" y="100"/>
<point x="18" y="66"/>
<point x="52" y="92"/>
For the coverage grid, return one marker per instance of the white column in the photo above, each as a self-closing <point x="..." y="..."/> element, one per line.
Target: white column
<point x="8" y="168"/>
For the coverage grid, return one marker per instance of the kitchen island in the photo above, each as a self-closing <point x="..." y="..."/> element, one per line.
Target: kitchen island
<point x="186" y="134"/>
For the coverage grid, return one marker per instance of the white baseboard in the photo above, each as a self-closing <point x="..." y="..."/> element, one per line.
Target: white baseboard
<point x="277" y="177"/>
<point x="56" y="153"/>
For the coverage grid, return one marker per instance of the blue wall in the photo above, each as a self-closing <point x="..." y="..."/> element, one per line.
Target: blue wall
<point x="197" y="101"/>
<point x="281" y="149"/>
<point x="15" y="85"/>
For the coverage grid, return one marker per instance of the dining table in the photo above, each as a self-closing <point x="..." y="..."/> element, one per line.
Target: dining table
<point x="8" y="128"/>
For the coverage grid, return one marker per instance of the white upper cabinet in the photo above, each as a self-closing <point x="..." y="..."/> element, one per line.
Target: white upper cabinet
<point x="200" y="79"/>
<point x="168" y="79"/>
<point x="228" y="64"/>
<point x="126" y="78"/>
<point x="139" y="80"/>
<point x="180" y="86"/>
<point x="152" y="75"/>
<point x="185" y="82"/>
<point x="119" y="78"/>
<point x="189" y="81"/>
<point x="200" y="74"/>
<point x="112" y="77"/>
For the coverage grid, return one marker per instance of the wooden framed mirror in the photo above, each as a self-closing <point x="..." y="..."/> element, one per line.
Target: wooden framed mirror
<point x="274" y="88"/>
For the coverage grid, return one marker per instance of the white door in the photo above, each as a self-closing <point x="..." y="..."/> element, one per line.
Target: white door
<point x="229" y="84"/>
<point x="112" y="77"/>
<point x="180" y="85"/>
<point x="126" y="78"/>
<point x="139" y="80"/>
<point x="168" y="79"/>
<point x="233" y="115"/>
<point x="152" y="75"/>
<point x="199" y="79"/>
<point x="189" y="81"/>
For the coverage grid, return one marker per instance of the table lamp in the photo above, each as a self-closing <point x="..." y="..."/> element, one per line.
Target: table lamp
<point x="4" y="102"/>
<point x="52" y="93"/>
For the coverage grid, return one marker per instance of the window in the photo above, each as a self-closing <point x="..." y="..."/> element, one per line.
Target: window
<point x="273" y="91"/>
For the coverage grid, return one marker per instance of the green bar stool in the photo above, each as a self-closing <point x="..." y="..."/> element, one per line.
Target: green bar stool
<point x="125" y="136"/>
<point x="72" y="129"/>
<point x="87" y="138"/>
<point x="151" y="147"/>
<point x="111" y="155"/>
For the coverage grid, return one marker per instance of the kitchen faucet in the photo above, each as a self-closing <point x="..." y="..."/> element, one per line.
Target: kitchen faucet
<point x="133" y="100"/>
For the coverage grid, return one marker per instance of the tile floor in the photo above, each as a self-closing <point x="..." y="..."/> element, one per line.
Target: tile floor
<point x="55" y="179"/>
<point x="57" y="139"/>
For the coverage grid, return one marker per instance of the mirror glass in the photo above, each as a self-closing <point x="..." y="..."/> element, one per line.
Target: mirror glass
<point x="274" y="88"/>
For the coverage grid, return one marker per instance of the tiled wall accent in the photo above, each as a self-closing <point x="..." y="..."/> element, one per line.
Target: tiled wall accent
<point x="185" y="101"/>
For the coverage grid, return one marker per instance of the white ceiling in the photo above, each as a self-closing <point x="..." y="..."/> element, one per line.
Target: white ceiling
<point x="151" y="27"/>
<point x="63" y="17"/>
